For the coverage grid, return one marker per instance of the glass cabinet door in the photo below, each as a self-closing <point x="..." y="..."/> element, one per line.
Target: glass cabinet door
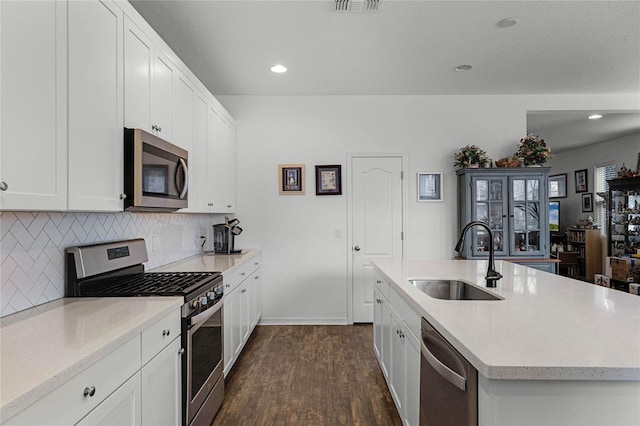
<point x="490" y="207"/>
<point x="526" y="210"/>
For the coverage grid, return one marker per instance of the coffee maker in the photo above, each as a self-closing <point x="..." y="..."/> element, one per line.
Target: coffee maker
<point x="224" y="237"/>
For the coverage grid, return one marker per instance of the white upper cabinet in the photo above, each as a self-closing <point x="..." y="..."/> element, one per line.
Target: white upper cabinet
<point x="138" y="75"/>
<point x="148" y="84"/>
<point x="95" y="141"/>
<point x="162" y="96"/>
<point x="33" y="133"/>
<point x="185" y="130"/>
<point x="227" y="165"/>
<point x="207" y="155"/>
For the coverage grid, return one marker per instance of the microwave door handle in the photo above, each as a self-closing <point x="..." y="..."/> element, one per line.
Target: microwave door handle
<point x="185" y="188"/>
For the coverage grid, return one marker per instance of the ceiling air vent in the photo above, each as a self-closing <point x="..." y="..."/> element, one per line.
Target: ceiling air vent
<point x="357" y="5"/>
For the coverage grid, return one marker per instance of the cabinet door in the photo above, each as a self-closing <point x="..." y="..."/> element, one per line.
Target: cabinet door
<point x="489" y="205"/>
<point x="227" y="165"/>
<point x="162" y="96"/>
<point x="162" y="387"/>
<point x="245" y="308"/>
<point x="207" y="155"/>
<point x="138" y="77"/>
<point x="396" y="368"/>
<point x="185" y="131"/>
<point x="121" y="408"/>
<point x="528" y="216"/>
<point x="33" y="134"/>
<point x="386" y="338"/>
<point x="411" y="379"/>
<point x="256" y="299"/>
<point x="95" y="106"/>
<point x="231" y="315"/>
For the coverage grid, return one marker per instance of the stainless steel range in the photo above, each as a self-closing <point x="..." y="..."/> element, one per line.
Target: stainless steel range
<point x="116" y="269"/>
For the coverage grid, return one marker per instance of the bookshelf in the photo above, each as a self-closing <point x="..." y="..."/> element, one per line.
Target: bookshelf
<point x="586" y="242"/>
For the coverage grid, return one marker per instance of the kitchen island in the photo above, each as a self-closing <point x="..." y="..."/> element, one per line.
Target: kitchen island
<point x="552" y="351"/>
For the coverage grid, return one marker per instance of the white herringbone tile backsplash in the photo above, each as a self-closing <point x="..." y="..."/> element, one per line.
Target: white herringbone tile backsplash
<point x="33" y="244"/>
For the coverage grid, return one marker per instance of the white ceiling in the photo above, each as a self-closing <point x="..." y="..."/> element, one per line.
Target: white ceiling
<point x="565" y="130"/>
<point x="406" y="47"/>
<point x="411" y="48"/>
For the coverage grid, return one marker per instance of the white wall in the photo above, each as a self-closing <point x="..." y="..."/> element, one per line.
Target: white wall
<point x="305" y="266"/>
<point x="622" y="150"/>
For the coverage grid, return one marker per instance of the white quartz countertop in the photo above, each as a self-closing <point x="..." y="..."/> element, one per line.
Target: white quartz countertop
<point x="44" y="347"/>
<point x="548" y="327"/>
<point x="208" y="262"/>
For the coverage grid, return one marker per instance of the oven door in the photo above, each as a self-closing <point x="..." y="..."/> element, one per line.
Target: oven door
<point x="204" y="357"/>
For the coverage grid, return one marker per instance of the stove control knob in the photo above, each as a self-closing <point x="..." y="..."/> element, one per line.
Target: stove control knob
<point x="195" y="304"/>
<point x="203" y="300"/>
<point x="211" y="295"/>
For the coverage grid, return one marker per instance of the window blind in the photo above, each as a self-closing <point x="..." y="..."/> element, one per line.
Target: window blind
<point x="602" y="173"/>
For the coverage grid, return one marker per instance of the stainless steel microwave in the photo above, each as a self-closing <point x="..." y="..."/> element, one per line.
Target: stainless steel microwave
<point x="156" y="173"/>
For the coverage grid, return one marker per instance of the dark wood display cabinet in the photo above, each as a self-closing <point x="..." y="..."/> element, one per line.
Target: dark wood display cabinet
<point x="624" y="216"/>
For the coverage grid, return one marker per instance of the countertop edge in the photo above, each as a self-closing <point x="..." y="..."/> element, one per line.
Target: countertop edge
<point x="34" y="394"/>
<point x="497" y="372"/>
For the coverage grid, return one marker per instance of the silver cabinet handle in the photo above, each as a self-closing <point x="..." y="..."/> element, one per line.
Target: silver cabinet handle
<point x="244" y="290"/>
<point x="357" y="248"/>
<point x="181" y="351"/>
<point x="89" y="391"/>
<point x="3" y="186"/>
<point x="123" y="196"/>
<point x="166" y="332"/>
<point x="451" y="376"/>
<point x="228" y="206"/>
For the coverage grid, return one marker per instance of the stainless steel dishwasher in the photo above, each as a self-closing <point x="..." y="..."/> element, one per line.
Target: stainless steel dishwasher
<point x="448" y="383"/>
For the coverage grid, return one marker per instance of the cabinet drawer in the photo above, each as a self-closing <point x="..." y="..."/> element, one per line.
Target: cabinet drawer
<point x="159" y="335"/>
<point x="68" y="404"/>
<point x="229" y="280"/>
<point x="381" y="284"/>
<point x="406" y="313"/>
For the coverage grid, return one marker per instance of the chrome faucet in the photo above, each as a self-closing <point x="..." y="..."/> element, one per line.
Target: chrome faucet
<point x="492" y="274"/>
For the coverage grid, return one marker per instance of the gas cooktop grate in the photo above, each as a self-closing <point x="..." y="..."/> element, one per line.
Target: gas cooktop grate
<point x="153" y="283"/>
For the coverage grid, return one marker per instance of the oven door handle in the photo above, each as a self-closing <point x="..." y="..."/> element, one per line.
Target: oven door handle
<point x="203" y="316"/>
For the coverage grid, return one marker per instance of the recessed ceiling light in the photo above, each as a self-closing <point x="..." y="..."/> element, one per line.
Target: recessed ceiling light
<point x="508" y="22"/>
<point x="594" y="116"/>
<point x="279" y="68"/>
<point x="461" y="68"/>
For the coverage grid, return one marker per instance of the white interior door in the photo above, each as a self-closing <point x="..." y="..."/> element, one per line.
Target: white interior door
<point x="376" y="224"/>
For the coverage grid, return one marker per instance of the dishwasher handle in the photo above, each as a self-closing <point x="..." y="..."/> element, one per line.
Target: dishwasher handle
<point x="450" y="375"/>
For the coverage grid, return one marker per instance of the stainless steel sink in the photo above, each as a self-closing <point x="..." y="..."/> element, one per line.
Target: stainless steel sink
<point x="453" y="290"/>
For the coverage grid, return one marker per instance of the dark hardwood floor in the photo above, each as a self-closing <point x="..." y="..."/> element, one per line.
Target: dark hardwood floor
<point x="308" y="375"/>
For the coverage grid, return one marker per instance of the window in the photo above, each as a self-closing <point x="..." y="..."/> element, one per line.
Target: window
<point x="602" y="173"/>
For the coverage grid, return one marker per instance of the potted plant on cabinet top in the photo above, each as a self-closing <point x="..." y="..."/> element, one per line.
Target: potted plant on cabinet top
<point x="471" y="156"/>
<point x="533" y="151"/>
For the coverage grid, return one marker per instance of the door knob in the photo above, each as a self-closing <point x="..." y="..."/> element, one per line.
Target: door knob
<point x="357" y="248"/>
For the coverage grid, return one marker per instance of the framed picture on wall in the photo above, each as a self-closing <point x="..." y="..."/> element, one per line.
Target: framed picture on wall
<point x="291" y="179"/>
<point x="429" y="186"/>
<point x="558" y="186"/>
<point x="581" y="181"/>
<point x="328" y="180"/>
<point x="587" y="202"/>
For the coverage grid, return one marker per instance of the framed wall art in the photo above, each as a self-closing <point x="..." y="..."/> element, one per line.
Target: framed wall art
<point x="558" y="186"/>
<point x="587" y="202"/>
<point x="291" y="179"/>
<point x="429" y="186"/>
<point x="329" y="180"/>
<point x="581" y="181"/>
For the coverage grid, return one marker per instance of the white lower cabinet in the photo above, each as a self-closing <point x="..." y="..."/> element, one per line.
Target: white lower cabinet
<point x="398" y="351"/>
<point x="242" y="308"/>
<point x="121" y="408"/>
<point x="119" y="389"/>
<point x="161" y="387"/>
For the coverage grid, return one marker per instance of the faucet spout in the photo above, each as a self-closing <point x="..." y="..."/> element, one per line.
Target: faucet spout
<point x="492" y="275"/>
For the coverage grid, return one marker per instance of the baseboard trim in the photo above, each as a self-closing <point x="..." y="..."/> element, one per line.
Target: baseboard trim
<point x="304" y="321"/>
